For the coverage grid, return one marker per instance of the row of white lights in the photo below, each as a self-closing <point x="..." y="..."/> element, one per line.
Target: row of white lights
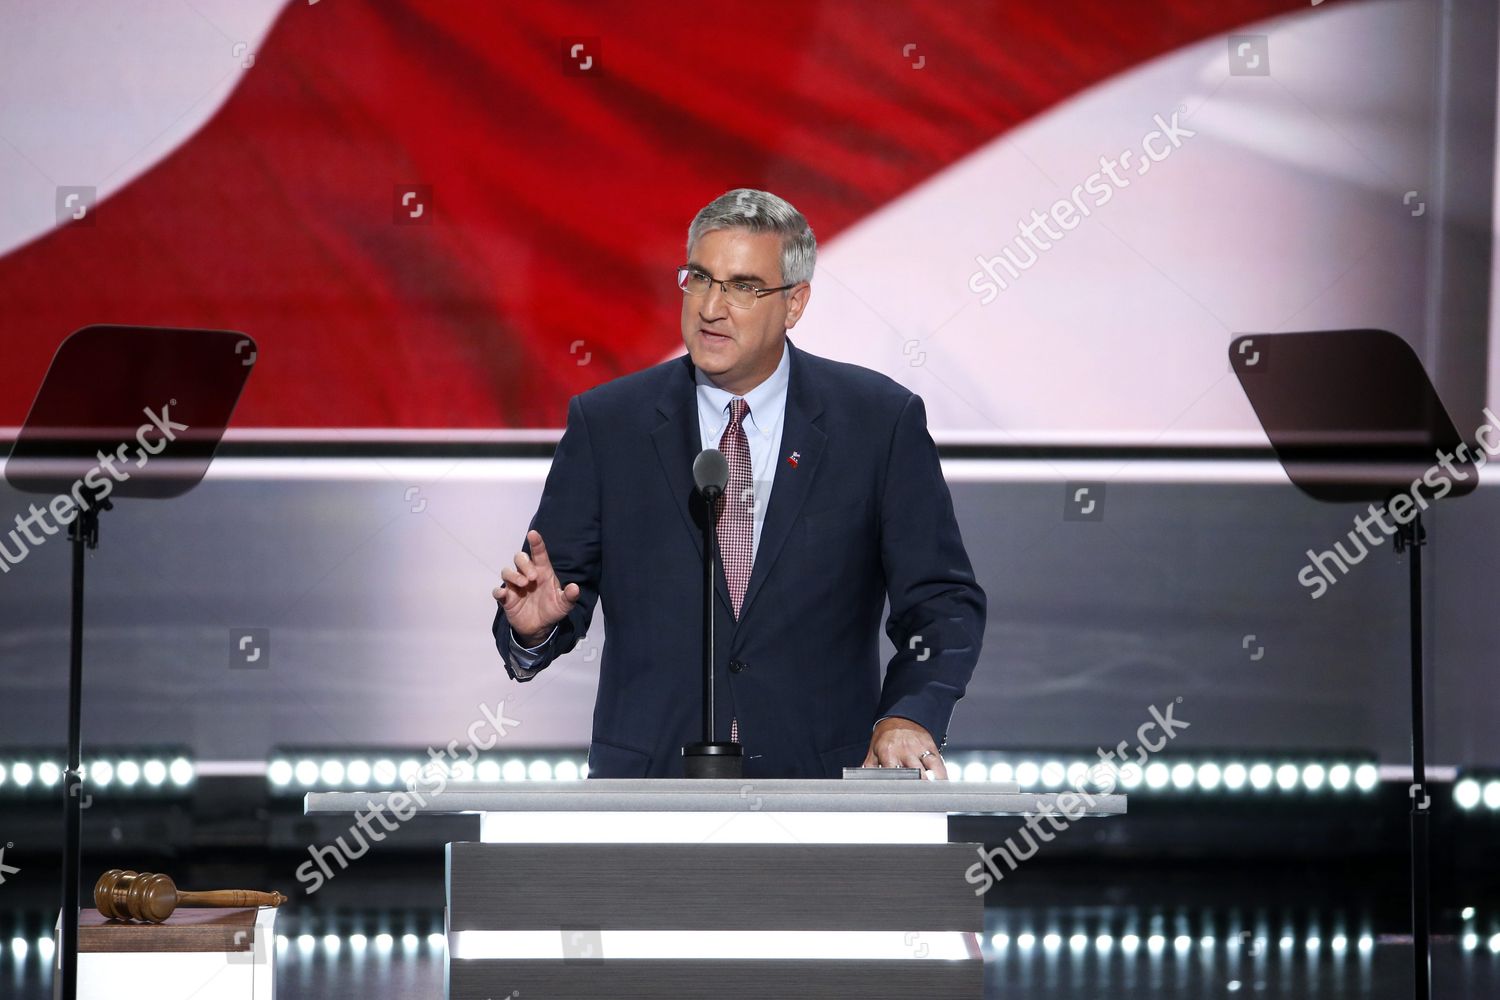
<point x="45" y="947"/>
<point x="998" y="943"/>
<point x="1157" y="943"/>
<point x="1470" y="938"/>
<point x="1181" y="776"/>
<point x="382" y="943"/>
<point x="307" y="772"/>
<point x="1469" y="793"/>
<point x="152" y="773"/>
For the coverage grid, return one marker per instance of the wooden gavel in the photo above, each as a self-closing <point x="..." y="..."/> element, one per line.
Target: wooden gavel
<point x="122" y="895"/>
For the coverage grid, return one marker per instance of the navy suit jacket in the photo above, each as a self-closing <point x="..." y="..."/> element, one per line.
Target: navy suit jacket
<point x="863" y="515"/>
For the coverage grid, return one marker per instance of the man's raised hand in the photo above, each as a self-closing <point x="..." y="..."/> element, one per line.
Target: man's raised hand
<point x="532" y="600"/>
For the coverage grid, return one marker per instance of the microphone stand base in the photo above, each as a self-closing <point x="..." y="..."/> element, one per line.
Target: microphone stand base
<point x="713" y="760"/>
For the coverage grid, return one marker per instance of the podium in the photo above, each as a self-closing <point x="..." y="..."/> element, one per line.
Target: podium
<point x="625" y="888"/>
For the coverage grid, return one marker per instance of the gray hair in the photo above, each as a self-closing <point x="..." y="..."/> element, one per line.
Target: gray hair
<point x="761" y="212"/>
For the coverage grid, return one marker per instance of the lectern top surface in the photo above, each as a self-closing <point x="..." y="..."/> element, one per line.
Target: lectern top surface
<point x="719" y="795"/>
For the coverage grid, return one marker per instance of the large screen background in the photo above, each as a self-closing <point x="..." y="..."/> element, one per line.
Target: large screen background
<point x="248" y="163"/>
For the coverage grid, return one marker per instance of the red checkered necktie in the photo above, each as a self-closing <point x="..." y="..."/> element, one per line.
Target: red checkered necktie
<point x="736" y="513"/>
<point x="736" y="524"/>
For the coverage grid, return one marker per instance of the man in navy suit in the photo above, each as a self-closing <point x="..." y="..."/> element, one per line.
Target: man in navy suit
<point x="836" y="501"/>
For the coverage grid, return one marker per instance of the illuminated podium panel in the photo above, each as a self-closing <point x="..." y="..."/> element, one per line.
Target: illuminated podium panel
<point x="195" y="954"/>
<point x="625" y="888"/>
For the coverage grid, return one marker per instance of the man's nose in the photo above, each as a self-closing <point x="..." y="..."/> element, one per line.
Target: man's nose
<point x="715" y="304"/>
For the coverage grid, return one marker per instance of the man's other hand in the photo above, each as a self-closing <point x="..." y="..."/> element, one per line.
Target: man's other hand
<point x="532" y="600"/>
<point x="901" y="742"/>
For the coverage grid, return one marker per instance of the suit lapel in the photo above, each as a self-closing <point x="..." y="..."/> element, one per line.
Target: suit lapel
<point x="791" y="484"/>
<point x="678" y="441"/>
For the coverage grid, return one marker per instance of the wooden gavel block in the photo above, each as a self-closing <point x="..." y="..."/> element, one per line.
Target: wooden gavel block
<point x="123" y="895"/>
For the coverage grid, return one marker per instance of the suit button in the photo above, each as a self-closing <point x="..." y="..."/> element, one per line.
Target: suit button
<point x="735" y="666"/>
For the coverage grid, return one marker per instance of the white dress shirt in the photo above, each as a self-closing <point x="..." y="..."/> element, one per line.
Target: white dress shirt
<point x="762" y="429"/>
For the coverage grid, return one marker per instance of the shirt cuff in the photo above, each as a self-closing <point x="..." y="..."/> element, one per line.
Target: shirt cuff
<point x="524" y="659"/>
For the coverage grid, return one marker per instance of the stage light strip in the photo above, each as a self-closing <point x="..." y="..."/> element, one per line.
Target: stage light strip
<point x="1237" y="775"/>
<point x="308" y="772"/>
<point x="1010" y="940"/>
<point x="746" y="826"/>
<point x="1002" y="943"/>
<point x="146" y="774"/>
<point x="292" y="772"/>
<point x="297" y="772"/>
<point x="1001" y="947"/>
<point x="713" y="945"/>
<point x="1477" y="791"/>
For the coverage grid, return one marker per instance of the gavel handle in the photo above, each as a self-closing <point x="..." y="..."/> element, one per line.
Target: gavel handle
<point x="230" y="898"/>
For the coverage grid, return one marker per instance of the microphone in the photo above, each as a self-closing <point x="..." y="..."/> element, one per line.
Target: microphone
<point x="710" y="758"/>
<point x="711" y="473"/>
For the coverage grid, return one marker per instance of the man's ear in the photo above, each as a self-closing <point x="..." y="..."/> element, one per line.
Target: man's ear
<point x="796" y="301"/>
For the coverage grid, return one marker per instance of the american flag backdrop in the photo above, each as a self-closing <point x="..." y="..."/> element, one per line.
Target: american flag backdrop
<point x="456" y="215"/>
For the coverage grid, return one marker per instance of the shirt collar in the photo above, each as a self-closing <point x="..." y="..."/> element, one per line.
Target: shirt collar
<point x="766" y="400"/>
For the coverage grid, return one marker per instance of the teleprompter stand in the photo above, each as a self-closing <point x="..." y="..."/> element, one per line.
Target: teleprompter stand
<point x="129" y="412"/>
<point x="1353" y="418"/>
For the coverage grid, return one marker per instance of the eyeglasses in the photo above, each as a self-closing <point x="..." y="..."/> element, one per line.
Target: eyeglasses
<point x="739" y="294"/>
